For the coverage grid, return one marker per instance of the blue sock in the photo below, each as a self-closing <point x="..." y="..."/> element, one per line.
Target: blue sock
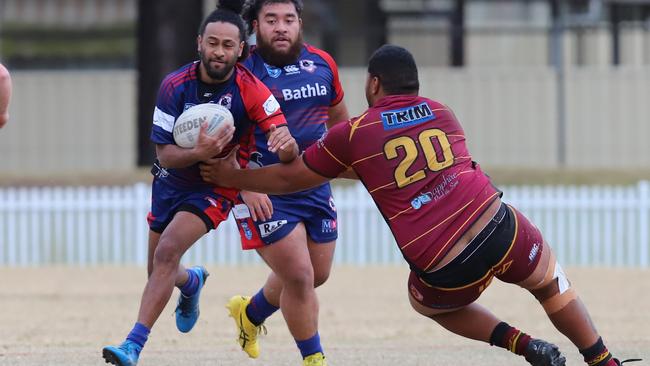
<point x="310" y="346"/>
<point x="139" y="334"/>
<point x="260" y="308"/>
<point x="192" y="285"/>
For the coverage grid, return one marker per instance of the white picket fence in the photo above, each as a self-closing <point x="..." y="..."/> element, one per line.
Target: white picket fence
<point x="596" y="225"/>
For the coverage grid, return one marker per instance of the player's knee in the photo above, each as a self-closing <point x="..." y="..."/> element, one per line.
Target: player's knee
<point x="299" y="276"/>
<point x="166" y="255"/>
<point x="555" y="294"/>
<point x="320" y="276"/>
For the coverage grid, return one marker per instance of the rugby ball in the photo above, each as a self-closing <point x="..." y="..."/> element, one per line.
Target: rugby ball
<point x="188" y="124"/>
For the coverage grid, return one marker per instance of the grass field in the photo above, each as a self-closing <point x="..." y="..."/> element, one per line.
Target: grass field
<point x="63" y="316"/>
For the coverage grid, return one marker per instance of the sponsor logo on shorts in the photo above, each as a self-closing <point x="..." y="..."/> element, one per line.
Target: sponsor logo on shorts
<point x="212" y="201"/>
<point x="415" y="293"/>
<point x="329" y="226"/>
<point x="248" y="233"/>
<point x="187" y="106"/>
<point x="533" y="252"/>
<point x="269" y="228"/>
<point x="240" y="211"/>
<point x="273" y="71"/>
<point x="331" y="203"/>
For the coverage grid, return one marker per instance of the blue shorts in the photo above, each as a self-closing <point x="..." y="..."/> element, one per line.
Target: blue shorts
<point x="315" y="208"/>
<point x="212" y="205"/>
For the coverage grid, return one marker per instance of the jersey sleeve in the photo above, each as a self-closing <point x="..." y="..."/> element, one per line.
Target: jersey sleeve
<point x="331" y="155"/>
<point x="260" y="104"/>
<point x="337" y="94"/>
<point x="165" y="114"/>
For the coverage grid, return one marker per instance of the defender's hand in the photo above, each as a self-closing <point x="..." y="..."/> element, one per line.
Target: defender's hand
<point x="217" y="170"/>
<point x="259" y="205"/>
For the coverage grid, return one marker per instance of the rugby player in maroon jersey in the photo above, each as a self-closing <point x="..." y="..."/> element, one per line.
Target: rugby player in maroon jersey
<point x="447" y="218"/>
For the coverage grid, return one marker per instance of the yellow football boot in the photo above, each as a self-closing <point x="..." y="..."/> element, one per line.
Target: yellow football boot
<point x="247" y="330"/>
<point x="317" y="359"/>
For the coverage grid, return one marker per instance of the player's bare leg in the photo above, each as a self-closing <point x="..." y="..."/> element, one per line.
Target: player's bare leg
<point x="180" y="235"/>
<point x="476" y="322"/>
<point x="550" y="286"/>
<point x="293" y="287"/>
<point x="183" y="231"/>
<point x="154" y="238"/>
<point x="189" y="281"/>
<point x="298" y="299"/>
<point x="321" y="254"/>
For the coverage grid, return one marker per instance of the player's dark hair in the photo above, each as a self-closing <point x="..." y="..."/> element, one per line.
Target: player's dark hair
<point x="253" y="7"/>
<point x="396" y="69"/>
<point x="228" y="11"/>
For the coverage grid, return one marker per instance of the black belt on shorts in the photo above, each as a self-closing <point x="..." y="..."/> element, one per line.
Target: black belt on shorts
<point x="472" y="247"/>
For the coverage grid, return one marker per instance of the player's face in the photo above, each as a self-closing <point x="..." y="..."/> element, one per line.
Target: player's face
<point x="278" y="31"/>
<point x="219" y="48"/>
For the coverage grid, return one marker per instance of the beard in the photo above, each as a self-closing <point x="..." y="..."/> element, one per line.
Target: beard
<point x="217" y="73"/>
<point x="278" y="58"/>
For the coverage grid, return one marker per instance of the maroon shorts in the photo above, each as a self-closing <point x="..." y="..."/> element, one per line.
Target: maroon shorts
<point x="509" y="250"/>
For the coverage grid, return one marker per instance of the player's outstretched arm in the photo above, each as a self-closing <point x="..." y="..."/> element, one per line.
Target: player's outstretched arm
<point x="5" y="95"/>
<point x="284" y="178"/>
<point x="173" y="156"/>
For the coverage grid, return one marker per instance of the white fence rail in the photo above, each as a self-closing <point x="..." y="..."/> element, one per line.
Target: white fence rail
<point x="605" y="226"/>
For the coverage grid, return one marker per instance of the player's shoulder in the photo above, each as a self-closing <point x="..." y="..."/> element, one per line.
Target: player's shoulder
<point x="181" y="75"/>
<point x="245" y="76"/>
<point x="313" y="50"/>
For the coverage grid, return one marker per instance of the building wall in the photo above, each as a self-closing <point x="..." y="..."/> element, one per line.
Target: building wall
<point x="84" y="122"/>
<point x="70" y="122"/>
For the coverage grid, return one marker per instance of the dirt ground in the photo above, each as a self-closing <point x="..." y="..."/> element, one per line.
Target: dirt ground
<point x="64" y="316"/>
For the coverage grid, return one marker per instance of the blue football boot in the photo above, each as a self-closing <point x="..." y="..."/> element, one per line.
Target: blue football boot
<point x="187" y="310"/>
<point x="126" y="354"/>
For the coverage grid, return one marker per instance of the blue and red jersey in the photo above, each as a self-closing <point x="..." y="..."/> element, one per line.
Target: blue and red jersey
<point x="248" y="99"/>
<point x="305" y="90"/>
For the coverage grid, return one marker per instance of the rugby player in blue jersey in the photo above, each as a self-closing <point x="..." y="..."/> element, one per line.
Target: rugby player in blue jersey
<point x="183" y="206"/>
<point x="295" y="233"/>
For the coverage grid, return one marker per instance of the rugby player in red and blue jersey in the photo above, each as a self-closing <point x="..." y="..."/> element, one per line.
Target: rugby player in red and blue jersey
<point x="448" y="220"/>
<point x="184" y="207"/>
<point x="299" y="228"/>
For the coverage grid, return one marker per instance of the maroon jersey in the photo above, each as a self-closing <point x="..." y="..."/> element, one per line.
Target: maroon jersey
<point x="410" y="153"/>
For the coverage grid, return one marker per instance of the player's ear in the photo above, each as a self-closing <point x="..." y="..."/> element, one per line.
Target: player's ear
<point x="255" y="25"/>
<point x="198" y="43"/>
<point x="242" y="46"/>
<point x="375" y="84"/>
